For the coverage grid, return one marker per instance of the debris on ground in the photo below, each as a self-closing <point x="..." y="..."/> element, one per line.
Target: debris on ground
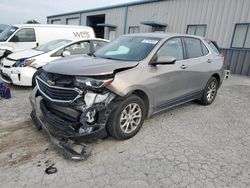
<point x="51" y="169"/>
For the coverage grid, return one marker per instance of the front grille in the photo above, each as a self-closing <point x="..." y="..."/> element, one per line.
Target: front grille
<point x="55" y="93"/>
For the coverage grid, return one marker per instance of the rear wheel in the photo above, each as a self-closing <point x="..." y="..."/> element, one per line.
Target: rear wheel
<point x="38" y="72"/>
<point x="126" y="120"/>
<point x="210" y="91"/>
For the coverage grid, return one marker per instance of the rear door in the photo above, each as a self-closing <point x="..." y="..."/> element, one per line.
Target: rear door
<point x="24" y="38"/>
<point x="198" y="62"/>
<point x="78" y="48"/>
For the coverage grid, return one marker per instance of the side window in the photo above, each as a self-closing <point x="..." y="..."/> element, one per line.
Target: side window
<point x="79" y="48"/>
<point x="214" y="46"/>
<point x="193" y="47"/>
<point x="98" y="44"/>
<point x="173" y="47"/>
<point x="204" y="49"/>
<point x="25" y="35"/>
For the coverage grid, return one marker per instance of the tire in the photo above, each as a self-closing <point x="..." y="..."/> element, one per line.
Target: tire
<point x="117" y="125"/>
<point x="211" y="87"/>
<point x="38" y="72"/>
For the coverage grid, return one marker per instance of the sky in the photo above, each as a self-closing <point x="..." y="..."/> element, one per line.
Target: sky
<point x="19" y="11"/>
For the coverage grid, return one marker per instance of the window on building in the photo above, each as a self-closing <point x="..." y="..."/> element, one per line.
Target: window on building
<point x="159" y="29"/>
<point x="133" y="29"/>
<point x="112" y="34"/>
<point x="173" y="47"/>
<point x="57" y="21"/>
<point x="25" y="35"/>
<point x="199" y="30"/>
<point x="241" y="37"/>
<point x="193" y="47"/>
<point x="72" y="21"/>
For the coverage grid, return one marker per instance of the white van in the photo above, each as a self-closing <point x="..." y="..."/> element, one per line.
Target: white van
<point x="21" y="37"/>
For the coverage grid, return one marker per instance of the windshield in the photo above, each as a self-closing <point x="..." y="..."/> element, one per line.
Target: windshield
<point x="7" y="33"/>
<point x="52" y="45"/>
<point x="128" y="48"/>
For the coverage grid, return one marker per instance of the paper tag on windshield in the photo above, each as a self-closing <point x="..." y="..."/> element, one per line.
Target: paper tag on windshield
<point x="147" y="41"/>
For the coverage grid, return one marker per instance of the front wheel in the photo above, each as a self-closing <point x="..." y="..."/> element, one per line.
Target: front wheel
<point x="127" y="119"/>
<point x="210" y="91"/>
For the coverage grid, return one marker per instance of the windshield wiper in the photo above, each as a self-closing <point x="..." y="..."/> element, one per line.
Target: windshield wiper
<point x="91" y="54"/>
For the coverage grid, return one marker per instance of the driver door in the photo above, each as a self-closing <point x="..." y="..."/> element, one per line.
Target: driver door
<point x="171" y="79"/>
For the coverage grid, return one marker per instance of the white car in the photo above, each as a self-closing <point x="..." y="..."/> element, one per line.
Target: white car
<point x="20" y="68"/>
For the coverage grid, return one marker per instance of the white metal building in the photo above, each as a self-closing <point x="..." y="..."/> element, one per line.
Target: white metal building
<point x="225" y="21"/>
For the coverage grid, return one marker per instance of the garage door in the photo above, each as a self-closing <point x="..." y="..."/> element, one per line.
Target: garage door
<point x="73" y="21"/>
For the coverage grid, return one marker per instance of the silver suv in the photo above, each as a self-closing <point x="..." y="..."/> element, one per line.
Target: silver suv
<point x="113" y="90"/>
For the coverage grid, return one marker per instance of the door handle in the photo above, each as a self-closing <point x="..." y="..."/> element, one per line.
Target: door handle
<point x="183" y="66"/>
<point x="37" y="44"/>
<point x="209" y="61"/>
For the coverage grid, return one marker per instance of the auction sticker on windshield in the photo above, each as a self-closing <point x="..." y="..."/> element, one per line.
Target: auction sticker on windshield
<point x="147" y="41"/>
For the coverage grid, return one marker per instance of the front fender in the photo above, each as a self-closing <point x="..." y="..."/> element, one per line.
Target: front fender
<point x="129" y="90"/>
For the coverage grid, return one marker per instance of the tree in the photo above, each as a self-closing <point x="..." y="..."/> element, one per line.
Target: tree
<point x="32" y="22"/>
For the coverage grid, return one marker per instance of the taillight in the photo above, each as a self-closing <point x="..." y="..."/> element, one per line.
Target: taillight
<point x="223" y="58"/>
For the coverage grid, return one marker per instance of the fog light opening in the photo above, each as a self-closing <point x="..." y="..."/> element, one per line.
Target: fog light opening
<point x="91" y="117"/>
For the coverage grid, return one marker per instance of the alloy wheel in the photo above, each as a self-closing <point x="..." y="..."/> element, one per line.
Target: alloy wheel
<point x="130" y="118"/>
<point x="211" y="91"/>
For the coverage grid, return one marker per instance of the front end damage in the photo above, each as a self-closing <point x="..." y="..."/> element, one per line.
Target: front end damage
<point x="72" y="109"/>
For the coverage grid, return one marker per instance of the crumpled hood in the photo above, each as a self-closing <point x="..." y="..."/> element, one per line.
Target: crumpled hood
<point x="24" y="54"/>
<point x="87" y="66"/>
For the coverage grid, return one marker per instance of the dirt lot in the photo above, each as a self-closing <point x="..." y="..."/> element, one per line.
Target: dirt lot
<point x="188" y="146"/>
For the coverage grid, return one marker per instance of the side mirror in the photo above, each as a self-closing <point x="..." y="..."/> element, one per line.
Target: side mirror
<point x="66" y="53"/>
<point x="164" y="60"/>
<point x="14" y="39"/>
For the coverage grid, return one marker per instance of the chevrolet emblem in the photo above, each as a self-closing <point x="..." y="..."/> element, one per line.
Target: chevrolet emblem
<point x="50" y="82"/>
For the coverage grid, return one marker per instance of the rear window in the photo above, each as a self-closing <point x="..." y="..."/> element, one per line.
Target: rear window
<point x="214" y="46"/>
<point x="193" y="47"/>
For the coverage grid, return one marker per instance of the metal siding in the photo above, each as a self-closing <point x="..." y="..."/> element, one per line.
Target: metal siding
<point x="112" y="16"/>
<point x="220" y="16"/>
<point x="246" y="64"/>
<point x="64" y="18"/>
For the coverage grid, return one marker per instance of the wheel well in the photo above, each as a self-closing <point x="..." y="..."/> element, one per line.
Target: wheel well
<point x="144" y="97"/>
<point x="217" y="76"/>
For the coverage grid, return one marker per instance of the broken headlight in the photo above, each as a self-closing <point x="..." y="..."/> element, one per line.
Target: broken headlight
<point x="24" y="63"/>
<point x="93" y="83"/>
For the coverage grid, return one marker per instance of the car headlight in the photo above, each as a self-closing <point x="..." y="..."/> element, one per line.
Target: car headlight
<point x="24" y="63"/>
<point x="93" y="83"/>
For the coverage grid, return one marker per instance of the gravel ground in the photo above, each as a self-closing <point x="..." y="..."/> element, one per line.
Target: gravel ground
<point x="187" y="146"/>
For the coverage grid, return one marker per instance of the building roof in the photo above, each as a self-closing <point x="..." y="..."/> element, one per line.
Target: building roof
<point x="105" y="8"/>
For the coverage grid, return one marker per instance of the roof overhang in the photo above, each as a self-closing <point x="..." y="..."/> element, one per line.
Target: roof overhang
<point x="154" y="23"/>
<point x="107" y="25"/>
<point x="106" y="8"/>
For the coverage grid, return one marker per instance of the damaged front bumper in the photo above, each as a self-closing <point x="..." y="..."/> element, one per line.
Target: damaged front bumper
<point x="70" y="123"/>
